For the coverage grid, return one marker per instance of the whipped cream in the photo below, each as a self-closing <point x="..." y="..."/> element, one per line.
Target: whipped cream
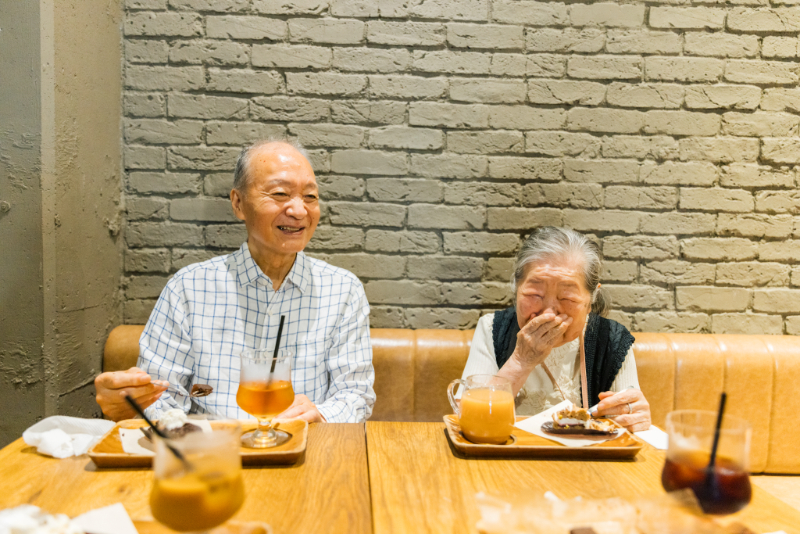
<point x="172" y="419"/>
<point x="29" y="519"/>
<point x="569" y="421"/>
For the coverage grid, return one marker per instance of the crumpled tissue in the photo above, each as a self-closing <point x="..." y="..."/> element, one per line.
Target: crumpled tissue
<point x="61" y="436"/>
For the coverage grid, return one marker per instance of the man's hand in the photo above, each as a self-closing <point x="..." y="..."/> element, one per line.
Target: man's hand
<point x="302" y="408"/>
<point x="629" y="406"/>
<point x="113" y="387"/>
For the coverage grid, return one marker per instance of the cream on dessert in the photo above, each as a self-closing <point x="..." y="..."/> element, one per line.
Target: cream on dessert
<point x="578" y="420"/>
<point x="173" y="419"/>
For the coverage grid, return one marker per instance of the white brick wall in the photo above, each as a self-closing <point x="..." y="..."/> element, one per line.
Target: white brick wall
<point x="443" y="131"/>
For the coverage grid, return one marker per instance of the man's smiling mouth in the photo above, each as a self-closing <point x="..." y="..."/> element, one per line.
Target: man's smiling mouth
<point x="291" y="229"/>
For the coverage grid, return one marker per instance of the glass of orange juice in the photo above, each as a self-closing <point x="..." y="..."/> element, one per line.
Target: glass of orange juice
<point x="486" y="410"/>
<point x="265" y="390"/>
<point x="207" y="489"/>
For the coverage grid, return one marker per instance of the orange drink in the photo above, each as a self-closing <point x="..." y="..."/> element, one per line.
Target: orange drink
<point x="264" y="400"/>
<point x="197" y="501"/>
<point x="487" y="416"/>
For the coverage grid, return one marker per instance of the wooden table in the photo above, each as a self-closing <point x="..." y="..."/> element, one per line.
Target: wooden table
<point x="419" y="485"/>
<point x="327" y="491"/>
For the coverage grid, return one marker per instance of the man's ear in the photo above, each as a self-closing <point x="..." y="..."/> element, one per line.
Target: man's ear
<point x="236" y="202"/>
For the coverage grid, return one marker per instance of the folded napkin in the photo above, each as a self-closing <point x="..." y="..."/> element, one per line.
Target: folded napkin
<point x="134" y="441"/>
<point x="534" y="423"/>
<point x="654" y="436"/>
<point x="60" y="436"/>
<point x="29" y="519"/>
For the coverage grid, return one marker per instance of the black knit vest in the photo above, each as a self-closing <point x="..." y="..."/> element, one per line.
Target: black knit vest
<point x="606" y="344"/>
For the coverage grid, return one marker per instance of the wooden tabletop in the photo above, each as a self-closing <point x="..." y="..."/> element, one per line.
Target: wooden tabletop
<point x="419" y="484"/>
<point x="326" y="491"/>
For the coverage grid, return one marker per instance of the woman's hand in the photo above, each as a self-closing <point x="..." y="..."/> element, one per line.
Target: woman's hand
<point x="539" y="336"/>
<point x="629" y="406"/>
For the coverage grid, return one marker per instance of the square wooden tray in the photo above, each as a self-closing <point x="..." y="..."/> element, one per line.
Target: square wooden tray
<point x="525" y="444"/>
<point x="108" y="451"/>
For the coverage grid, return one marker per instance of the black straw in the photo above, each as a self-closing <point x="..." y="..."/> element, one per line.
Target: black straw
<point x="277" y="345"/>
<point x="713" y="459"/>
<point x="159" y="433"/>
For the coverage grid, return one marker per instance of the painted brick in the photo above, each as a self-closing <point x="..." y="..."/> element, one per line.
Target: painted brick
<point x="672" y="173"/>
<point x="688" y="18"/>
<point x="202" y="158"/>
<point x="159" y="132"/>
<point x="566" y="92"/>
<point x="530" y="13"/>
<point x="289" y="109"/>
<point x="431" y="216"/>
<point x="144" y="157"/>
<point x="148" y="234"/>
<point x="367" y="112"/>
<point x="404" y="241"/>
<point x="605" y="67"/>
<point x="476" y="294"/>
<point x="482" y="193"/>
<point x="443" y="61"/>
<point x="333" y="187"/>
<point x="781" y="150"/>
<point x="630" y="296"/>
<point x="215" y="53"/>
<point x="763" y="72"/>
<point x="605" y="120"/>
<point x="146" y="4"/>
<point x="681" y="323"/>
<point x="499" y="269"/>
<point x="678" y="223"/>
<point x="449" y="9"/>
<point x="641" y="198"/>
<point x="719" y="149"/>
<point x="184" y="257"/>
<point x="746" y="323"/>
<point x="645" y="95"/>
<point x="146" y="208"/>
<point x="755" y="176"/>
<point x="448" y="165"/>
<point x="493" y="36"/>
<point x="754" y="225"/>
<point x="163" y="24"/>
<point x="608" y="171"/>
<point x="243" y="27"/>
<point x="643" y="42"/>
<point x="779" y="251"/>
<point x="218" y="184"/>
<point x="563" y="195"/>
<point x="354" y="8"/>
<point x="158" y="78"/>
<point x="485" y="142"/>
<point x="138" y="287"/>
<point x="619" y="271"/>
<point x="776" y="300"/>
<point x="366" y="214"/>
<point x="328" y="135"/>
<point x="146" y="51"/>
<point x="720" y="45"/>
<point x="602" y="221"/>
<point x="340" y="239"/>
<point x="403" y="292"/>
<point x="778" y="201"/>
<point x="403" y="137"/>
<point x="448" y="115"/>
<point x="760" y="124"/>
<point x="407" y="87"/>
<point x="683" y="69"/>
<point x="681" y="123"/>
<point x="716" y="249"/>
<point x="657" y="147"/>
<point x="291" y="7"/>
<point x="716" y="199"/>
<point x="723" y="97"/>
<point x="144" y="104"/>
<point x="202" y="209"/>
<point x="564" y="40"/>
<point x="764" y="19"/>
<point x="223" y="6"/>
<point x="640" y="247"/>
<point x="325" y="84"/>
<point x="562" y="144"/>
<point x="546" y="66"/>
<point x="241" y="133"/>
<point x="546" y="169"/>
<point x="371" y="59"/>
<point x="453" y="318"/>
<point x="206" y="107"/>
<point x="406" y="33"/>
<point x="480" y="243"/>
<point x="368" y="162"/>
<point x="523" y="218"/>
<point x="404" y="190"/>
<point x="750" y="274"/>
<point x="163" y="183"/>
<point x="366" y="266"/>
<point x="780" y="99"/>
<point x="292" y="57"/>
<point x="607" y="14"/>
<point x="674" y="272"/>
<point x="709" y="299"/>
<point x="486" y="90"/>
<point x="148" y="260"/>
<point x="782" y="47"/>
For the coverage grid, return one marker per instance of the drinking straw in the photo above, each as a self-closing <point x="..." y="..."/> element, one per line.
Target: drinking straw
<point x="713" y="459"/>
<point x="277" y="345"/>
<point x="159" y="433"/>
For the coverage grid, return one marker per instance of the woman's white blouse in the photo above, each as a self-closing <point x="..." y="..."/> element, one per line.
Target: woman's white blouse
<point x="538" y="393"/>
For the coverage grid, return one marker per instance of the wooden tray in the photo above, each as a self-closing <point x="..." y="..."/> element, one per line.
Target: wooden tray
<point x="231" y="527"/>
<point x="108" y="451"/>
<point x="525" y="444"/>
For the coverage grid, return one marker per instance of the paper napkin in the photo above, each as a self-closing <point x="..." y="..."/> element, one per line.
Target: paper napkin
<point x="654" y="436"/>
<point x="134" y="442"/>
<point x="112" y="519"/>
<point x="60" y="436"/>
<point x="533" y="425"/>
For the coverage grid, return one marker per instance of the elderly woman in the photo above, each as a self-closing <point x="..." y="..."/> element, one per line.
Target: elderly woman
<point x="556" y="343"/>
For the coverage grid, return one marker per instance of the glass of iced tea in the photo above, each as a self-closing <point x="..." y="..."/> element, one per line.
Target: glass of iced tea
<point x="725" y="489"/>
<point x="486" y="410"/>
<point x="206" y="490"/>
<point x="265" y="390"/>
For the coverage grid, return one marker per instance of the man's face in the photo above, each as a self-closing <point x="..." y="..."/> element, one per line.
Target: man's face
<point x="280" y="205"/>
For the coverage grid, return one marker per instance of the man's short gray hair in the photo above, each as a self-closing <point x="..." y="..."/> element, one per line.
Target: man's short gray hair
<point x="241" y="174"/>
<point x="554" y="243"/>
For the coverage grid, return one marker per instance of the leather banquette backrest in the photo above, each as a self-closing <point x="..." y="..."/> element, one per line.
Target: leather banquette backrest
<point x="676" y="371"/>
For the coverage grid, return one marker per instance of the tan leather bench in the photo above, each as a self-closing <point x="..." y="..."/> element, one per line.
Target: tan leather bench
<point x="676" y="371"/>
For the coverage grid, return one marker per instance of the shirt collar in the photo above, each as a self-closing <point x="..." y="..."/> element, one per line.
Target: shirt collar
<point x="249" y="273"/>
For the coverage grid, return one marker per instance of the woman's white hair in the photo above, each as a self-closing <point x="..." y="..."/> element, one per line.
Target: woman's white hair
<point x="554" y="243"/>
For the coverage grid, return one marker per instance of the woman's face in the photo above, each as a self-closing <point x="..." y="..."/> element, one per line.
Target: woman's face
<point x="557" y="287"/>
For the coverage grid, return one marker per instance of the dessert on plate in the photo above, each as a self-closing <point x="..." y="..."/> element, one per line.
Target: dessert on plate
<point x="174" y="423"/>
<point x="574" y="420"/>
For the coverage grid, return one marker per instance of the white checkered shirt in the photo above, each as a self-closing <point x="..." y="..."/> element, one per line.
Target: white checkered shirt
<point x="210" y="312"/>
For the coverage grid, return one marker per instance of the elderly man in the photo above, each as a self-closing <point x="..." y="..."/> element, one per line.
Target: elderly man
<point x="210" y="312"/>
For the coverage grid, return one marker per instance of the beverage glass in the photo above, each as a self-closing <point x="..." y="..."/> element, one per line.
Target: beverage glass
<point x="486" y="411"/>
<point x="205" y="491"/>
<point x="726" y="488"/>
<point x="265" y="390"/>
